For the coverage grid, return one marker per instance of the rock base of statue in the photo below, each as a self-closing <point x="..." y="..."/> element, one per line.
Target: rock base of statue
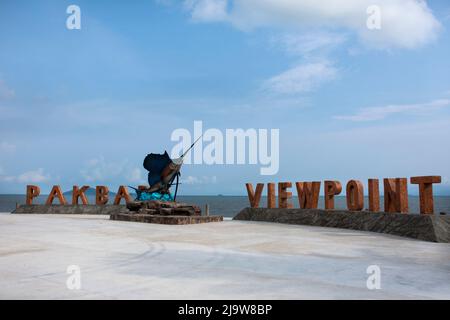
<point x="164" y="212"/>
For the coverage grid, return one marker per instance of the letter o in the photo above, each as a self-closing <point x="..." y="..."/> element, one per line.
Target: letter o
<point x="355" y="195"/>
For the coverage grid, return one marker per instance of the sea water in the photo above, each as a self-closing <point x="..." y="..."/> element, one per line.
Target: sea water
<point x="229" y="206"/>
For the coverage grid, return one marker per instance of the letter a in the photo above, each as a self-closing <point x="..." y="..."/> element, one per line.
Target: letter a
<point x="74" y="20"/>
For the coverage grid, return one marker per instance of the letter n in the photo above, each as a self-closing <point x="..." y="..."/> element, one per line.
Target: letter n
<point x="396" y="195"/>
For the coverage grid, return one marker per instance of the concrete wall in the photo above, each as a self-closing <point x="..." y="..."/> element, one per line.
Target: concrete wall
<point x="71" y="209"/>
<point x="423" y="227"/>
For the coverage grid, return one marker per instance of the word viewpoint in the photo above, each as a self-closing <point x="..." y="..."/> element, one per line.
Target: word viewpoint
<point x="395" y="194"/>
<point x="101" y="195"/>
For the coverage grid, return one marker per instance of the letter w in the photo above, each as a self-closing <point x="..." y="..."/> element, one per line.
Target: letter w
<point x="308" y="194"/>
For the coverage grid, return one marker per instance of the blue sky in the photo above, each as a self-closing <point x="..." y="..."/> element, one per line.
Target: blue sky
<point x="85" y="106"/>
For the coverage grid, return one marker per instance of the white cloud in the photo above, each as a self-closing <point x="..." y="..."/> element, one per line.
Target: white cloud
<point x="404" y="23"/>
<point x="207" y="10"/>
<point x="310" y="44"/>
<point x="33" y="176"/>
<point x="199" y="180"/>
<point x="97" y="169"/>
<point x="379" y="113"/>
<point x="302" y="78"/>
<point x="100" y="170"/>
<point x="6" y="147"/>
<point x="5" y="91"/>
<point x="445" y="181"/>
<point x="306" y="27"/>
<point x="315" y="69"/>
<point x="135" y="175"/>
<point x="310" y="29"/>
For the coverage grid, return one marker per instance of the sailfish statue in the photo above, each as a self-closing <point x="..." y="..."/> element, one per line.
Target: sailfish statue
<point x="162" y="171"/>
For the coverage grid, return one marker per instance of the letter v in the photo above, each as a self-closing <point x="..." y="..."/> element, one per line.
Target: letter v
<point x="254" y="197"/>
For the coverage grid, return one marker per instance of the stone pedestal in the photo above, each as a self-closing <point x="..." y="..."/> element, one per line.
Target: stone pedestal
<point x="165" y="208"/>
<point x="425" y="227"/>
<point x="70" y="209"/>
<point x="162" y="219"/>
<point x="162" y="212"/>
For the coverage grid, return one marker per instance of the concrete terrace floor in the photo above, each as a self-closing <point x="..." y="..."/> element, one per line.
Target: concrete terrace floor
<point x="225" y="260"/>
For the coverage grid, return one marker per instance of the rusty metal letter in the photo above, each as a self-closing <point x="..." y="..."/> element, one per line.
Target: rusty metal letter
<point x="332" y="188"/>
<point x="426" y="192"/>
<point x="308" y="194"/>
<point x="253" y="197"/>
<point x="79" y="193"/>
<point x="271" y="195"/>
<point x="355" y="195"/>
<point x="374" y="195"/>
<point x="56" y="192"/>
<point x="101" y="195"/>
<point x="32" y="192"/>
<point x="284" y="195"/>
<point x="396" y="195"/>
<point x="122" y="193"/>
